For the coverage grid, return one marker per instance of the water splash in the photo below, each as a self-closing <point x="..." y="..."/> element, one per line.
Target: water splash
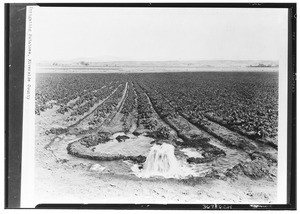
<point x="161" y="162"/>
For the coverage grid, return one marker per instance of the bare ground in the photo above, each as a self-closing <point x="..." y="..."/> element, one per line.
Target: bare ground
<point x="60" y="177"/>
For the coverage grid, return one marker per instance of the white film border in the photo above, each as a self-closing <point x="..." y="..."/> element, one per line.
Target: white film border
<point x="28" y="137"/>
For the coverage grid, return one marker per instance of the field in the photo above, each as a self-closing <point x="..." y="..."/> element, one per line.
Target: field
<point x="110" y="134"/>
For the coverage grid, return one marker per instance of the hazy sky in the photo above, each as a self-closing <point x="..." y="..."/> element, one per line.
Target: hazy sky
<point x="158" y="33"/>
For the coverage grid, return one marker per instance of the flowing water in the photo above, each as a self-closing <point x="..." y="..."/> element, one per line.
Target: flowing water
<point x="161" y="162"/>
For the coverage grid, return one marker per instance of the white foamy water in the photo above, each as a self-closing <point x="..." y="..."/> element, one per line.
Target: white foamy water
<point x="192" y="152"/>
<point x="161" y="162"/>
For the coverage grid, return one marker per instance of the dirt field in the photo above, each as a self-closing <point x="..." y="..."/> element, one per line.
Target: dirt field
<point x="62" y="177"/>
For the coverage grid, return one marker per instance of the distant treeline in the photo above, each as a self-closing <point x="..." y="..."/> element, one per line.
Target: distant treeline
<point x="263" y="65"/>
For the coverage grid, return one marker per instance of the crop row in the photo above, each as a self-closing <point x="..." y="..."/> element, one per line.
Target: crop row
<point x="107" y="107"/>
<point x="242" y="102"/>
<point x="69" y="89"/>
<point x="144" y="109"/>
<point x="89" y="100"/>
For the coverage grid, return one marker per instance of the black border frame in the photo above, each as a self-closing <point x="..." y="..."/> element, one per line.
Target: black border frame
<point x="15" y="16"/>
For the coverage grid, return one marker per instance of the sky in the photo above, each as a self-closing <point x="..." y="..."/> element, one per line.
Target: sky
<point x="158" y="34"/>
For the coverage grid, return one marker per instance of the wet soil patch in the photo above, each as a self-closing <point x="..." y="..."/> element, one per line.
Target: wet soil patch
<point x="136" y="159"/>
<point x="210" y="152"/>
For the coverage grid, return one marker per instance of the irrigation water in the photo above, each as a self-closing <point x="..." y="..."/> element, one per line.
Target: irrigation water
<point x="162" y="162"/>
